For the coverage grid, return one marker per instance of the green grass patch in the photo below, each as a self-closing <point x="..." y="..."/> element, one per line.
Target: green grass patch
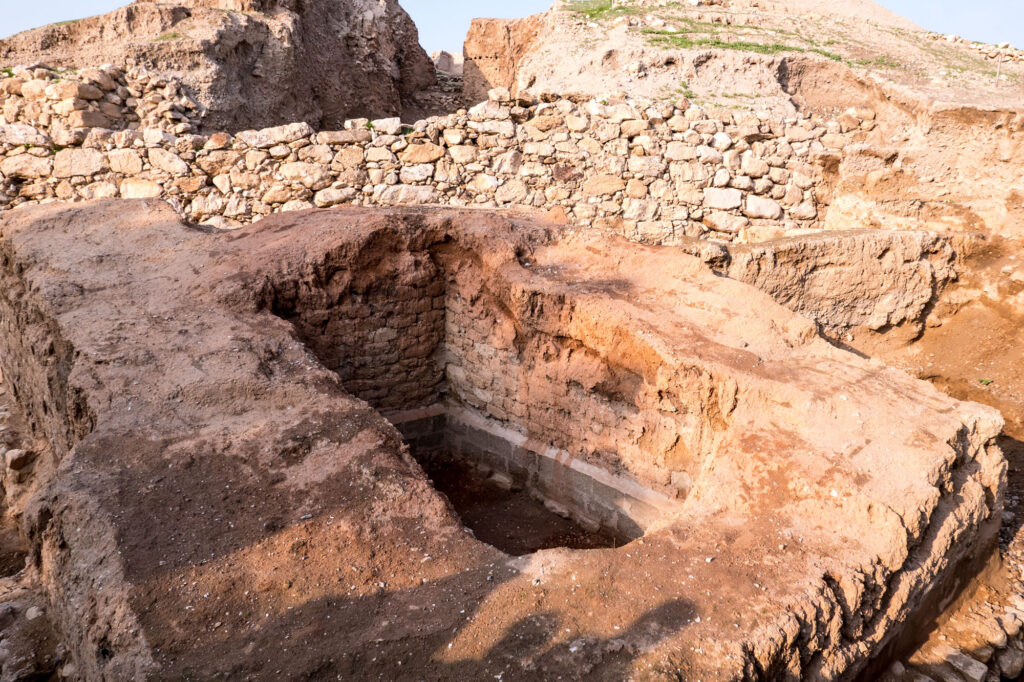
<point x="595" y="10"/>
<point x="174" y="35"/>
<point x="825" y="53"/>
<point x="883" y="62"/>
<point x="7" y="72"/>
<point x="684" y="41"/>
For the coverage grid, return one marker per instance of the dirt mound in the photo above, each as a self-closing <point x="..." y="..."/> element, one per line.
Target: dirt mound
<point x="738" y="53"/>
<point x="214" y="493"/>
<point x="253" y="63"/>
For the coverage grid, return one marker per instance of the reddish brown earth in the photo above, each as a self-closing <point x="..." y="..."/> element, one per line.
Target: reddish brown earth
<point x="947" y="309"/>
<point x="212" y="500"/>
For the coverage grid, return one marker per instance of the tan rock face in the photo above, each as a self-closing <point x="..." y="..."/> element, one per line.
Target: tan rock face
<point x="250" y="63"/>
<point x="603" y="185"/>
<point x="133" y="188"/>
<point x="422" y="153"/>
<point x="493" y="50"/>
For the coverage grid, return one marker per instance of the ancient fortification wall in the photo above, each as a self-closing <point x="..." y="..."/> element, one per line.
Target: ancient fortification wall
<point x="651" y="172"/>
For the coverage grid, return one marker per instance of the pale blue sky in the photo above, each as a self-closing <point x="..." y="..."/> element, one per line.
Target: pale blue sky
<point x="443" y="23"/>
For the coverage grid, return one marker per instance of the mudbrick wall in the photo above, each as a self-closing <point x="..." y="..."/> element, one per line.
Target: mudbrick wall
<point x="378" y="327"/>
<point x="654" y="172"/>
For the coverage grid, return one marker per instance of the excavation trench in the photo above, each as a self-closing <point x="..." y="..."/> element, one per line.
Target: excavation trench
<point x="416" y="337"/>
<point x="520" y="496"/>
<point x="241" y="416"/>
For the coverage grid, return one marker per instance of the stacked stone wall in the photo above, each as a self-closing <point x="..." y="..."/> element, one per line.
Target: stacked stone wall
<point x="65" y="104"/>
<point x="655" y="172"/>
<point x="381" y="335"/>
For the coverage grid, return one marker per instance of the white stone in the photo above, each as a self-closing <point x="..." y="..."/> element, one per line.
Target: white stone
<point x="721" y="142"/>
<point x="125" y="161"/>
<point x="760" y="207"/>
<point x="26" y="166"/>
<point x="134" y="188"/>
<point x="484" y="183"/>
<point x="296" y="205"/>
<point x="387" y="126"/>
<point x="223" y="183"/>
<point x="168" y="162"/>
<point x="18" y="134"/>
<point x="489" y="111"/>
<point x="755" y="167"/>
<point x="725" y="222"/>
<point x="463" y="154"/>
<point x="804" y="211"/>
<point x="99" y="190"/>
<point x="708" y="155"/>
<point x="307" y="174"/>
<point x="269" y="137"/>
<point x="408" y="195"/>
<point x="79" y="162"/>
<point x="723" y="199"/>
<point x="380" y="155"/>
<point x="153" y="137"/>
<point x="332" y="197"/>
<point x="418" y="173"/>
<point x="508" y="163"/>
<point x="206" y="205"/>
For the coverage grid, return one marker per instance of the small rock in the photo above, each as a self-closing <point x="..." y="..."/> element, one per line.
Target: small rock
<point x="971" y="669"/>
<point x="723" y="199"/>
<point x="760" y="207"/>
<point x="17" y="459"/>
<point x="1011" y="663"/>
<point x="388" y="126"/>
<point x="422" y="153"/>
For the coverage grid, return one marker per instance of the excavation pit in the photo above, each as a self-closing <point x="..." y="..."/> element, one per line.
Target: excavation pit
<point x="213" y="417"/>
<point x="518" y="496"/>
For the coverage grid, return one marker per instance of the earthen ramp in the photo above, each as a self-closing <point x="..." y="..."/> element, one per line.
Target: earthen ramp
<point x="218" y="491"/>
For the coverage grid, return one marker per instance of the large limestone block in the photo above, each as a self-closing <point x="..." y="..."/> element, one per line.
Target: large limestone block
<point x="79" y="162"/>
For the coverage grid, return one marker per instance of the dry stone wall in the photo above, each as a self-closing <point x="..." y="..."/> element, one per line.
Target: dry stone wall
<point x="653" y="172"/>
<point x="64" y="105"/>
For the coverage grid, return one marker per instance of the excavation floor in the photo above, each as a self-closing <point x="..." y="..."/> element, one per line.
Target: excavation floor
<point x="514" y="521"/>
